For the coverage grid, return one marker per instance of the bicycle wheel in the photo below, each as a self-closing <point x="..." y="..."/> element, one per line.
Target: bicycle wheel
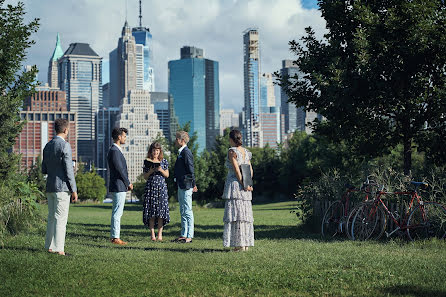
<point x="350" y="217"/>
<point x="333" y="219"/>
<point x="367" y="218"/>
<point x="427" y="221"/>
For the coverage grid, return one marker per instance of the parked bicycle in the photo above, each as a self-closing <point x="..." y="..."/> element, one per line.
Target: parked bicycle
<point x="421" y="219"/>
<point x="338" y="216"/>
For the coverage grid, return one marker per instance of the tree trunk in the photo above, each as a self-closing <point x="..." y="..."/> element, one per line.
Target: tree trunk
<point x="407" y="154"/>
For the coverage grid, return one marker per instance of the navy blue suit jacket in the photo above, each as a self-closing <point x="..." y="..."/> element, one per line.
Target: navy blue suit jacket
<point x="117" y="166"/>
<point x="184" y="169"/>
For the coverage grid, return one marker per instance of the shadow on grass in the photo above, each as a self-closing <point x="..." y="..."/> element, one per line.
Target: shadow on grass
<point x="189" y="249"/>
<point x="207" y="231"/>
<point x="409" y="290"/>
<point x="23" y="249"/>
<point x="127" y="207"/>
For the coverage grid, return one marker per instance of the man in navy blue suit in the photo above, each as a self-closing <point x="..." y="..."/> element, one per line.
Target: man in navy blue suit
<point x="119" y="182"/>
<point x="185" y="178"/>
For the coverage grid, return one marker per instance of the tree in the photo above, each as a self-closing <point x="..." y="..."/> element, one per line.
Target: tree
<point x="378" y="76"/>
<point x="90" y="185"/>
<point x="36" y="176"/>
<point x="15" y="85"/>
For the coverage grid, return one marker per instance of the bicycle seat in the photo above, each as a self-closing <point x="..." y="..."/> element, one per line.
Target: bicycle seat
<point x="417" y="184"/>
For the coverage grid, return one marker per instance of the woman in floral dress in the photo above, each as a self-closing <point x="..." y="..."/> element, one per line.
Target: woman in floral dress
<point x="238" y="219"/>
<point x="156" y="205"/>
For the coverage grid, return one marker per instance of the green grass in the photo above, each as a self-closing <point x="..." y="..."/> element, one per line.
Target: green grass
<point x="284" y="262"/>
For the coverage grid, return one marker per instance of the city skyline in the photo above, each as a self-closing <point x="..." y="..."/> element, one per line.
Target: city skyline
<point x="216" y="26"/>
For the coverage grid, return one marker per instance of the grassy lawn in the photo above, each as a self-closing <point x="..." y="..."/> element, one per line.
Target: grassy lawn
<point x="284" y="262"/>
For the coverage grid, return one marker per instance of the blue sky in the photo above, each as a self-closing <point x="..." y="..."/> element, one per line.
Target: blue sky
<point x="214" y="25"/>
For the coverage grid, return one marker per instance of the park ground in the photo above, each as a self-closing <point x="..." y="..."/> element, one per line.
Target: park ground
<point x="285" y="261"/>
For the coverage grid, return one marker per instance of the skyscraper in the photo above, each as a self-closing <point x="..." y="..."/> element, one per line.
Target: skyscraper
<point x="267" y="97"/>
<point x="143" y="38"/>
<point x="194" y="86"/>
<point x="53" y="80"/>
<point x="137" y="114"/>
<point x="160" y="101"/>
<point x="80" y="77"/>
<point x="293" y="115"/>
<point x="251" y="60"/>
<point x="123" y="67"/>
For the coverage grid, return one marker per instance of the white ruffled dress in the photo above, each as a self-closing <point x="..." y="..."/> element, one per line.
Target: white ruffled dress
<point x="238" y="219"/>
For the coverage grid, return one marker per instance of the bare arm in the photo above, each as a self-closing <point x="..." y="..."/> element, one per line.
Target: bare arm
<point x="233" y="159"/>
<point x="165" y="173"/>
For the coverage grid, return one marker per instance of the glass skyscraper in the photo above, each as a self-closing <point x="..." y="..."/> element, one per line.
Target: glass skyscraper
<point x="80" y="76"/>
<point x="144" y="37"/>
<point x="194" y="90"/>
<point x="251" y="60"/>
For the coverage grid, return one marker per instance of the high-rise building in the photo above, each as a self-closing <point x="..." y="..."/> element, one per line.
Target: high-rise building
<point x="228" y="119"/>
<point x="80" y="76"/>
<point x="271" y="127"/>
<point x="143" y="38"/>
<point x="106" y="95"/>
<point x="40" y="112"/>
<point x="267" y="97"/>
<point x="194" y="87"/>
<point x="137" y="114"/>
<point x="296" y="118"/>
<point x="251" y="60"/>
<point x="123" y="67"/>
<point x="160" y="101"/>
<point x="105" y="122"/>
<point x="293" y="116"/>
<point x="53" y="76"/>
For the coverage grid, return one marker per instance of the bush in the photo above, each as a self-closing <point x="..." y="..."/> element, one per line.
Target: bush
<point x="18" y="205"/>
<point x="90" y="186"/>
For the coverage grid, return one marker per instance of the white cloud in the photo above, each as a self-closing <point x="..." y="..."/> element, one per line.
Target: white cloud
<point x="214" y="25"/>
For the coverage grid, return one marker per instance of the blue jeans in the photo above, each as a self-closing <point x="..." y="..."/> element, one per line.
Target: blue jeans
<point x="187" y="216"/>
<point x="117" y="210"/>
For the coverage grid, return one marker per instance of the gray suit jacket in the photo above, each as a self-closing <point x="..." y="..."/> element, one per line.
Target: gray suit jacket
<point x="58" y="164"/>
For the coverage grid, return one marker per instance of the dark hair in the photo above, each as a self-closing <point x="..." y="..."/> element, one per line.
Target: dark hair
<point x="236" y="136"/>
<point x="154" y="146"/>
<point x="118" y="131"/>
<point x="60" y="125"/>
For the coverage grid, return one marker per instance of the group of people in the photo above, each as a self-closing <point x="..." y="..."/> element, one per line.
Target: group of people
<point x="238" y="217"/>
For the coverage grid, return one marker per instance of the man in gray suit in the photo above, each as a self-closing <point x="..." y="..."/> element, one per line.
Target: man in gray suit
<point x="60" y="184"/>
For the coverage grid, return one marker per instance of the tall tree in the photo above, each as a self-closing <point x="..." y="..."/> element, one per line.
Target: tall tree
<point x="378" y="76"/>
<point x="15" y="85"/>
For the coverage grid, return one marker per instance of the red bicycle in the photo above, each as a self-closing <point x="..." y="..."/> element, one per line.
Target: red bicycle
<point x="338" y="216"/>
<point x="421" y="220"/>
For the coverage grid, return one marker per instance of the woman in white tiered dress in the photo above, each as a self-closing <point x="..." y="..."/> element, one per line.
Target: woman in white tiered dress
<point x="239" y="223"/>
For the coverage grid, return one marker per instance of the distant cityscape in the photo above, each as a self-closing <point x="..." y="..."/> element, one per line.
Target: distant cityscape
<point x="76" y="90"/>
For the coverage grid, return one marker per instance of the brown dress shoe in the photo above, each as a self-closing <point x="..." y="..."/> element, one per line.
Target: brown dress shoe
<point x="118" y="241"/>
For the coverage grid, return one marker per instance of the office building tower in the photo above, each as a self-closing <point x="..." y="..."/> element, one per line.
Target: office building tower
<point x="53" y="74"/>
<point x="267" y="97"/>
<point x="105" y="122"/>
<point x="160" y="101"/>
<point x="123" y="69"/>
<point x="105" y="95"/>
<point x="293" y="116"/>
<point x="80" y="76"/>
<point x="194" y="89"/>
<point x="228" y="119"/>
<point x="271" y="127"/>
<point x="137" y="114"/>
<point x="251" y="60"/>
<point x="143" y="38"/>
<point x="40" y="111"/>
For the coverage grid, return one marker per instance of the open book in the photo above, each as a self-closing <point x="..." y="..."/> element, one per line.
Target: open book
<point x="149" y="164"/>
<point x="245" y="170"/>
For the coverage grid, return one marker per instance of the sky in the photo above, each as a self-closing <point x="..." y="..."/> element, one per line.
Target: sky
<point x="216" y="26"/>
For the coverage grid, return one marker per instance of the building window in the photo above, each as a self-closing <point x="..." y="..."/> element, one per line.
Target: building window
<point x="71" y="117"/>
<point x="44" y="117"/>
<point x="30" y="116"/>
<point x="58" y="116"/>
<point x="51" y="117"/>
<point x="65" y="116"/>
<point x="23" y="116"/>
<point x="38" y="117"/>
